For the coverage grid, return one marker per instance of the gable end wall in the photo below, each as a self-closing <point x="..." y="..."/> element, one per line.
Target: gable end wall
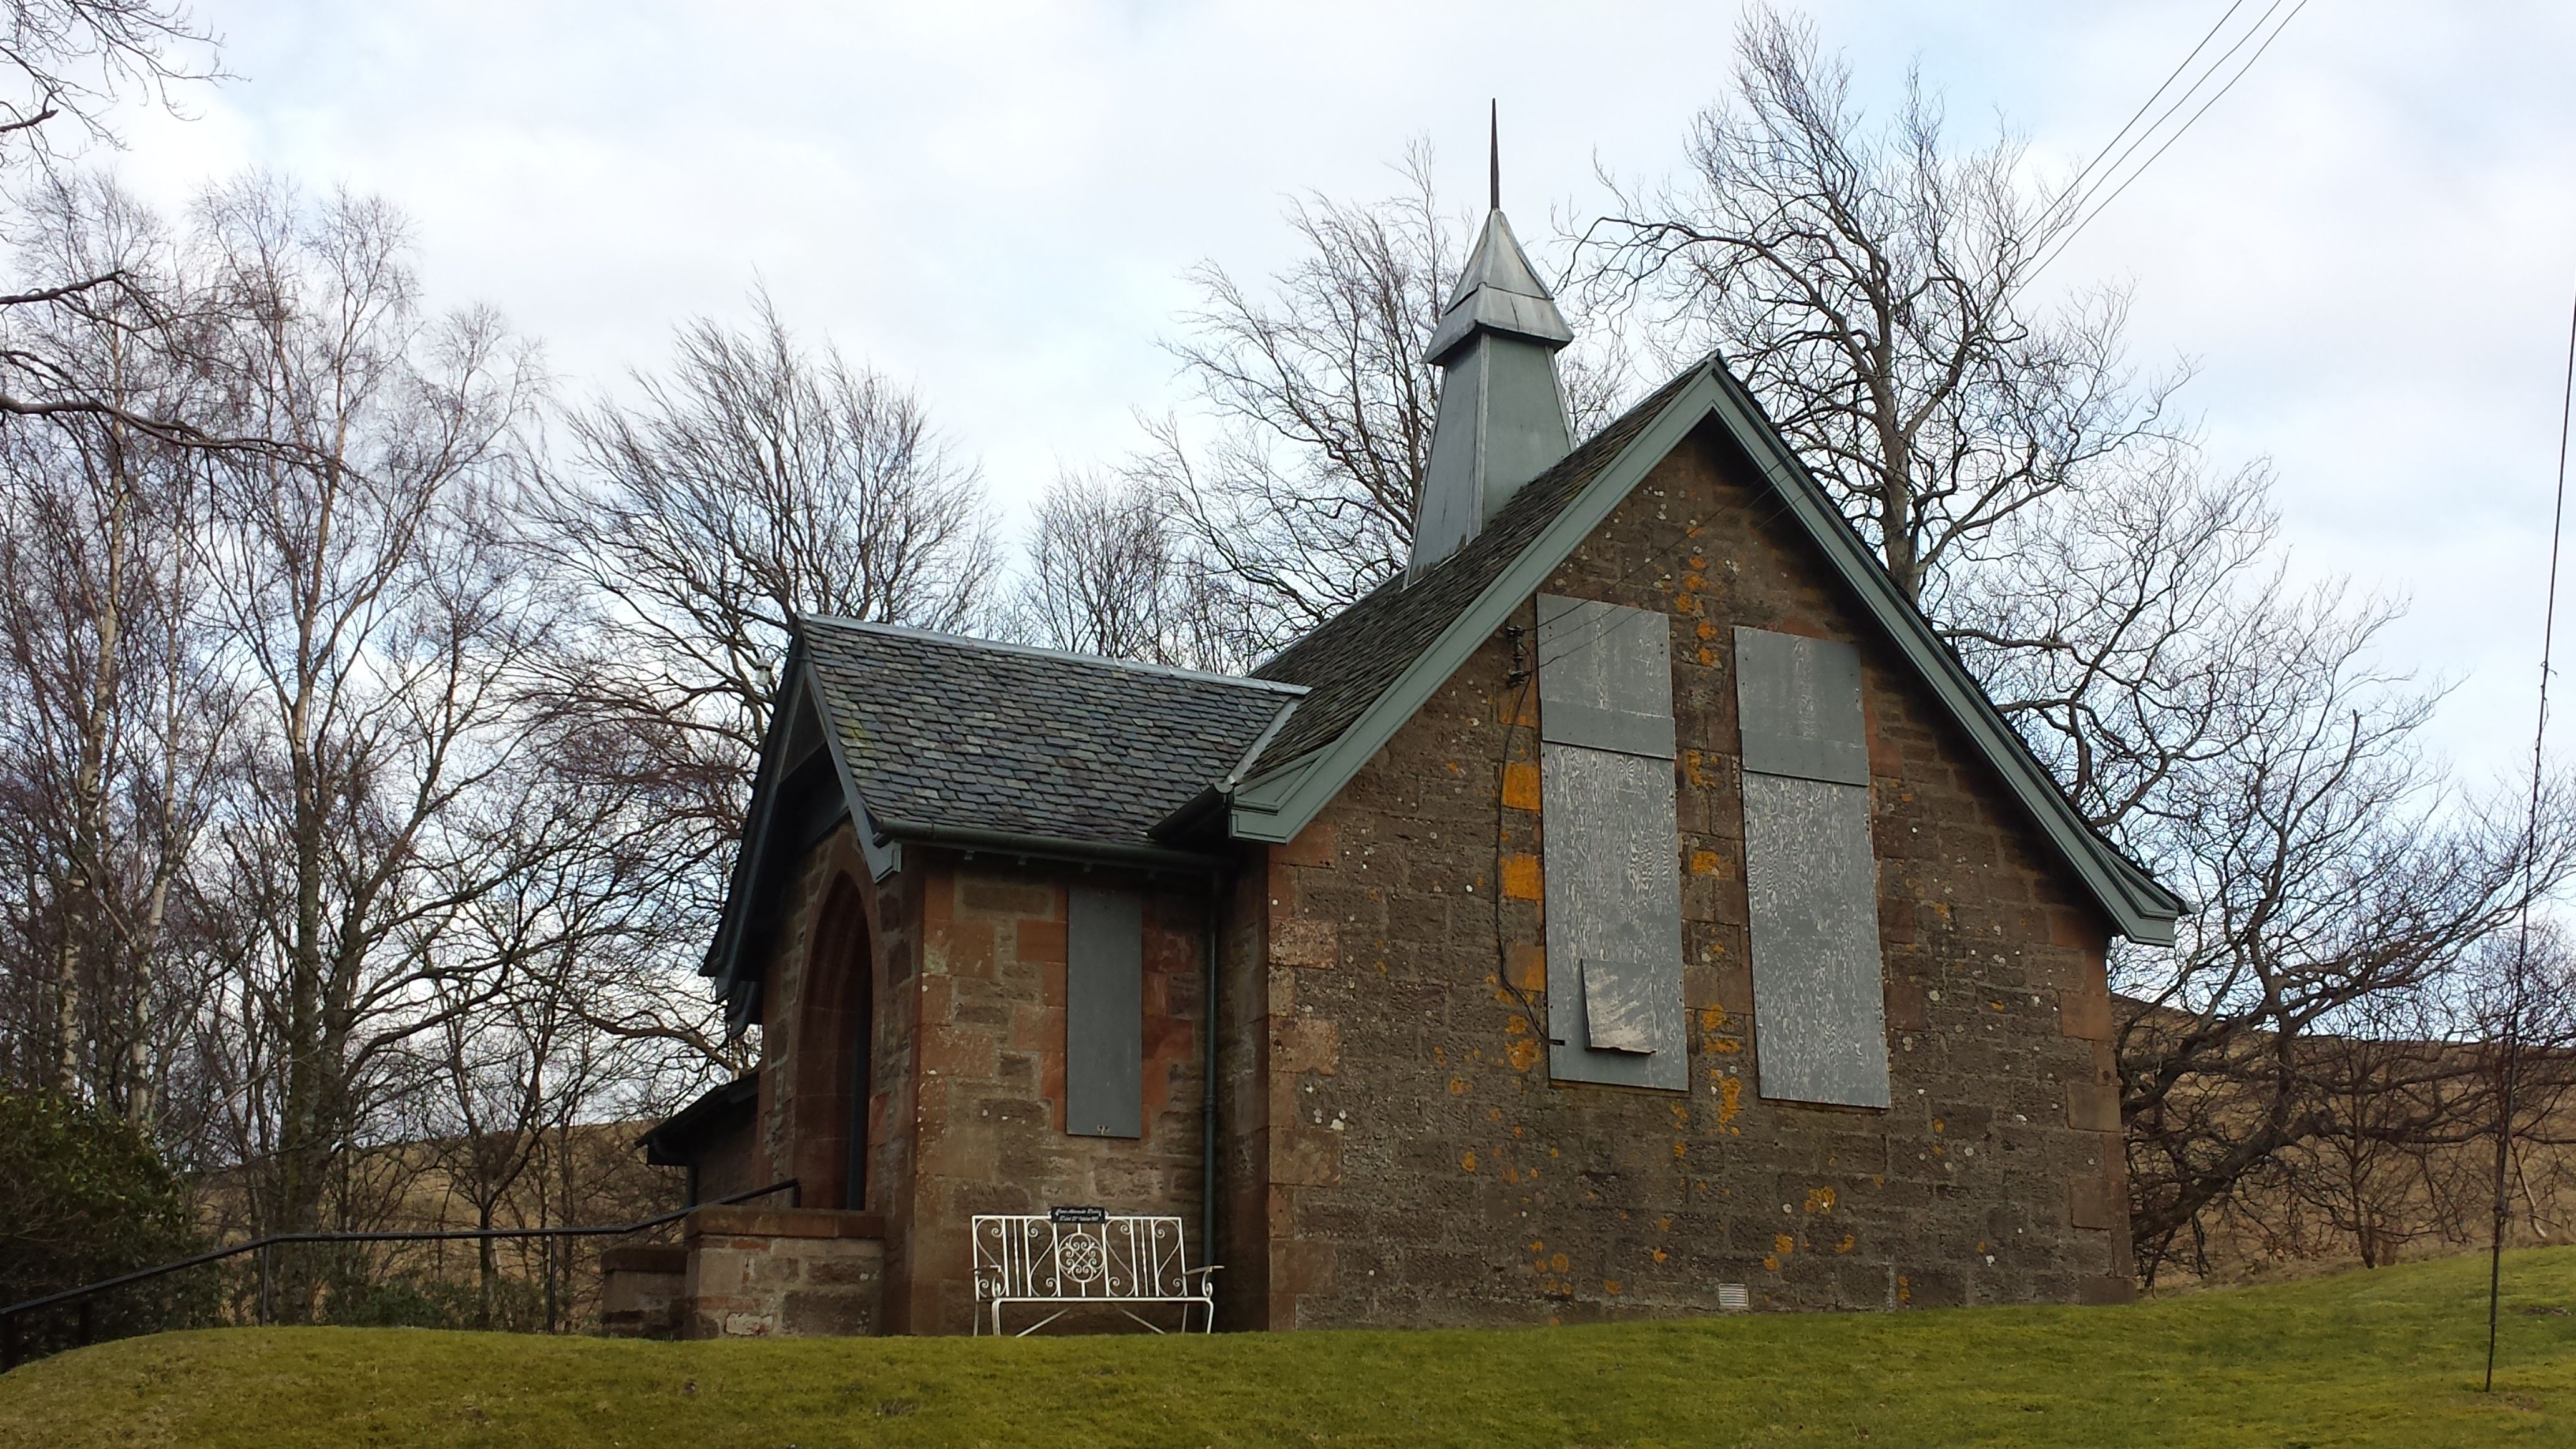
<point x="1405" y="1159"/>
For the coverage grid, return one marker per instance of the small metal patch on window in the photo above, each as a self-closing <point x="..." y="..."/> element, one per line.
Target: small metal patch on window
<point x="1619" y="1001"/>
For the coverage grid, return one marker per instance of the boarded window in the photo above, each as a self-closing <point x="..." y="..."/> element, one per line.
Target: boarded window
<point x="1613" y="872"/>
<point x="1104" y="1013"/>
<point x="1811" y="882"/>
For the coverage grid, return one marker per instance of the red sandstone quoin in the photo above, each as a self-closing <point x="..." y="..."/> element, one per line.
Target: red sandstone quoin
<point x="1632" y="900"/>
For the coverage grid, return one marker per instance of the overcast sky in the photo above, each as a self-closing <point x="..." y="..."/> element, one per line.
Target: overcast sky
<point x="2368" y="246"/>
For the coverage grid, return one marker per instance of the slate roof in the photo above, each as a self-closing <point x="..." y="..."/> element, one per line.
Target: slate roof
<point x="938" y="730"/>
<point x="1352" y="658"/>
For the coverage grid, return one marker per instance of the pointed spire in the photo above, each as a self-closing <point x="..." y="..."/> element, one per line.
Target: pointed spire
<point x="1501" y="419"/>
<point x="1499" y="292"/>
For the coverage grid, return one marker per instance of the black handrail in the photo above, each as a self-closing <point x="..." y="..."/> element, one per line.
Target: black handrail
<point x="9" y="1315"/>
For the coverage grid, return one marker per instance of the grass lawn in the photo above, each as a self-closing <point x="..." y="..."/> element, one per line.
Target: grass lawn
<point x="2390" y="1357"/>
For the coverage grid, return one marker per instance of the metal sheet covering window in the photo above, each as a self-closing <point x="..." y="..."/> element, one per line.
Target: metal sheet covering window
<point x="1613" y="865"/>
<point x="1104" y="1013"/>
<point x="1811" y="881"/>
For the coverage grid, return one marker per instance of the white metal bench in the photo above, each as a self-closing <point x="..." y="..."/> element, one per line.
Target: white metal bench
<point x="1077" y="1259"/>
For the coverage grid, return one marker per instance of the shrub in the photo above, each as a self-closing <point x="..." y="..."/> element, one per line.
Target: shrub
<point x="84" y="1196"/>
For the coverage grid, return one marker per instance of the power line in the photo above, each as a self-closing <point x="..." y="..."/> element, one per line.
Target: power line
<point x="2514" y="1004"/>
<point x="2067" y="237"/>
<point x="2076" y="185"/>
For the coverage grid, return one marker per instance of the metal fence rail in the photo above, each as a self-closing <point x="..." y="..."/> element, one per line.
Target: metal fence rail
<point x="11" y="1316"/>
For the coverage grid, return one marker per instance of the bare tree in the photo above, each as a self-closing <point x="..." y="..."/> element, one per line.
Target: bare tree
<point x="1105" y="574"/>
<point x="1867" y="285"/>
<point x="754" y="482"/>
<point x="80" y="400"/>
<point x="64" y="64"/>
<point x="113" y="747"/>
<point x="1320" y="401"/>
<point x="2295" y="1046"/>
<point x="2398" y="1095"/>
<point x="516" y="1066"/>
<point x="2333" y="874"/>
<point x="376" y="617"/>
<point x="2128" y="631"/>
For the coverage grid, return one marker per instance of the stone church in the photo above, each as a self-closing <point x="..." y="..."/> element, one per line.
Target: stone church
<point x="1633" y="909"/>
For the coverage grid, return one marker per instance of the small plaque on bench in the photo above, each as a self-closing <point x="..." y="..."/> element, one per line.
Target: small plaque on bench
<point x="1077" y="1215"/>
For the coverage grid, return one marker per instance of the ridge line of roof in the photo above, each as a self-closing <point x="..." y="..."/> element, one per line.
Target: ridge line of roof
<point x="1002" y="646"/>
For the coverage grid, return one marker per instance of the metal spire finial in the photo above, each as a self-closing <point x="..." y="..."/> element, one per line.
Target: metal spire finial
<point x="1494" y="150"/>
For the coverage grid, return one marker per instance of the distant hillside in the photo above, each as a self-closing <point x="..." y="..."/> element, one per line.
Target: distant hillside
<point x="2403" y="1168"/>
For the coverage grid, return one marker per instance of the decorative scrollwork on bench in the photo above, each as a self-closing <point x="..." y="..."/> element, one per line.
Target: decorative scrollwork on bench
<point x="1118" y="1262"/>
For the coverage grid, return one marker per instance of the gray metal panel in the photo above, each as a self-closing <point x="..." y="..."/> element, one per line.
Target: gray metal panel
<point x="1605" y="676"/>
<point x="1614" y="917"/>
<point x="1819" y="1013"/>
<point x="1623" y="1011"/>
<point x="1799" y="702"/>
<point x="1104" y="1013"/>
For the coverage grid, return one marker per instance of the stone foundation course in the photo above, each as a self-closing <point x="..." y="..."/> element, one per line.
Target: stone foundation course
<point x="782" y="1273"/>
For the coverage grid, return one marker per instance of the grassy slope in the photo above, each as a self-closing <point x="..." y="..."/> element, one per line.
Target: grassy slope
<point x="2361" y="1358"/>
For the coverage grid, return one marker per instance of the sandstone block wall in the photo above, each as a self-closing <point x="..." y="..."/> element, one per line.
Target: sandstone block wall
<point x="990" y="1125"/>
<point x="641" y="1291"/>
<point x="782" y="1273"/>
<point x="1396" y="1153"/>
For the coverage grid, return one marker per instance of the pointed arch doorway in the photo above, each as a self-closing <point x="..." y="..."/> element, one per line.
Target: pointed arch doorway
<point x="835" y="1054"/>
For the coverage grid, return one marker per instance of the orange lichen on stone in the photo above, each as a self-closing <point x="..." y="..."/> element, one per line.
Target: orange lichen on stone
<point x="1704" y="862"/>
<point x="1730" y="1098"/>
<point x="1846" y="1244"/>
<point x="1520" y="786"/>
<point x="1820" y="1200"/>
<point x="1458" y="1086"/>
<point x="1468" y="1162"/>
<point x="1521" y="877"/>
<point x="1523" y="1053"/>
<point x="1783" y="1244"/>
